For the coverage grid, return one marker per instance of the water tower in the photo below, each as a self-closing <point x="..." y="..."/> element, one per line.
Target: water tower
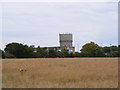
<point x="65" y="40"/>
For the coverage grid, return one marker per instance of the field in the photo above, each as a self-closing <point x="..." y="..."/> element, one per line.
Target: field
<point x="60" y="73"/>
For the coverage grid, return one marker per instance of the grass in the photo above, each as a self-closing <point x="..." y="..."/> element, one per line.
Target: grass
<point x="60" y="73"/>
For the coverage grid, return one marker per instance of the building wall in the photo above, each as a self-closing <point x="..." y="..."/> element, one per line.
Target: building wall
<point x="70" y="49"/>
<point x="65" y="40"/>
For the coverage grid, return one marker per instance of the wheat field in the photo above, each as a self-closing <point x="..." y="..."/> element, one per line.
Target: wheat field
<point x="60" y="73"/>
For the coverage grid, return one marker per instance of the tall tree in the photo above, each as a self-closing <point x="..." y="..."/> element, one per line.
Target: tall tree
<point x="91" y="50"/>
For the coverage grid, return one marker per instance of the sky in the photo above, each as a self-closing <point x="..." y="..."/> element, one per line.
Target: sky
<point x="40" y="23"/>
<point x="59" y="0"/>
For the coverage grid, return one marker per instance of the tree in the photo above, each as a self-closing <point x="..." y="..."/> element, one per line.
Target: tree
<point x="91" y="50"/>
<point x="19" y="51"/>
<point x="77" y="54"/>
<point x="41" y="52"/>
<point x="2" y="54"/>
<point x="118" y="50"/>
<point x="112" y="51"/>
<point x="8" y="55"/>
<point x="52" y="53"/>
<point x="63" y="53"/>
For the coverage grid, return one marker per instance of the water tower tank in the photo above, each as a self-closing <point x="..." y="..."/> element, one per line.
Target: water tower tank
<point x="65" y="40"/>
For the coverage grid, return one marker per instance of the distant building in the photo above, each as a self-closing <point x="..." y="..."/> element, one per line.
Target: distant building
<point x="65" y="41"/>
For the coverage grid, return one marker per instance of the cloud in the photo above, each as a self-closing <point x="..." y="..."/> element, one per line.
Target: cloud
<point x="40" y="23"/>
<point x="59" y="0"/>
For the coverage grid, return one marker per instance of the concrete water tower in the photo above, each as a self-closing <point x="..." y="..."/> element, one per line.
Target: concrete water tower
<point x="65" y="40"/>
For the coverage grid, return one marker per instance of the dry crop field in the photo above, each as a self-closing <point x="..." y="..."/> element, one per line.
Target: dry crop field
<point x="60" y="73"/>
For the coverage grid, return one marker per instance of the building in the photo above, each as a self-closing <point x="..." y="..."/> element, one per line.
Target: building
<point x="65" y="41"/>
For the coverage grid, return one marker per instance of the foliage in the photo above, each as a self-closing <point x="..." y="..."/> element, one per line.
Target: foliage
<point x="41" y="52"/>
<point x="77" y="54"/>
<point x="63" y="53"/>
<point x="18" y="50"/>
<point x="91" y="50"/>
<point x="111" y="51"/>
<point x="9" y="55"/>
<point x="52" y="53"/>
<point x="2" y="54"/>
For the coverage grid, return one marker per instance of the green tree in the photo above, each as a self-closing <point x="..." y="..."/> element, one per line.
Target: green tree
<point x="41" y="52"/>
<point x="52" y="53"/>
<point x="77" y="54"/>
<point x="2" y="54"/>
<point x="118" y="50"/>
<point x="19" y="50"/>
<point x="91" y="50"/>
<point x="8" y="55"/>
<point x="63" y="53"/>
<point x="112" y="51"/>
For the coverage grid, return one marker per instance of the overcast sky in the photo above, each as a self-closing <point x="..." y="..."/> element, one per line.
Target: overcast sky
<point x="40" y="23"/>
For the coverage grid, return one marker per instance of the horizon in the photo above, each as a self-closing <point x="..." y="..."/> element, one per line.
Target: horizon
<point x="59" y="45"/>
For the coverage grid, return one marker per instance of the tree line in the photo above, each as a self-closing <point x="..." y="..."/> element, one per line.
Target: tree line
<point x="18" y="50"/>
